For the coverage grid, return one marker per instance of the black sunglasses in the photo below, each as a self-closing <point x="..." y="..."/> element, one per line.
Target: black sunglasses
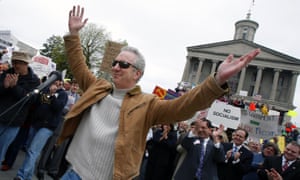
<point x="122" y="64"/>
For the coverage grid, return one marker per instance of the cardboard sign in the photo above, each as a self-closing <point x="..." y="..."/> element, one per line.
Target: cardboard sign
<point x="222" y="113"/>
<point x="111" y="51"/>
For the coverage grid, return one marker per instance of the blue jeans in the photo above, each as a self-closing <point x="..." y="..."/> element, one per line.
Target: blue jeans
<point x="15" y="146"/>
<point x="7" y="135"/>
<point x="37" y="139"/>
<point x="70" y="175"/>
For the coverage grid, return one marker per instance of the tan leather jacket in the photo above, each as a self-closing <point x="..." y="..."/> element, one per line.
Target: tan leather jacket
<point x="139" y="111"/>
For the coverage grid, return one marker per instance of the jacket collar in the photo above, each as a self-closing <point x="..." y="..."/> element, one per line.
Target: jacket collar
<point x="134" y="91"/>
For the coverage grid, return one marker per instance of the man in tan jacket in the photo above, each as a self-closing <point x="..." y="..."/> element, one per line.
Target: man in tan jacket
<point x="110" y="122"/>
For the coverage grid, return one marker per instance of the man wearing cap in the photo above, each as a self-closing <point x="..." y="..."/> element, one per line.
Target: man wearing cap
<point x="15" y="84"/>
<point x="45" y="119"/>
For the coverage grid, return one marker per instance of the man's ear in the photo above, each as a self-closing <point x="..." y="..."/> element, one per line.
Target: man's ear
<point x="138" y="74"/>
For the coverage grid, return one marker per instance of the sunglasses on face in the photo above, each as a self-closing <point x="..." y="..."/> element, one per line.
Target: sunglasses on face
<point x="122" y="64"/>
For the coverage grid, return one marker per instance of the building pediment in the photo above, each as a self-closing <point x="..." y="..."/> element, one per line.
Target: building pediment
<point x="267" y="57"/>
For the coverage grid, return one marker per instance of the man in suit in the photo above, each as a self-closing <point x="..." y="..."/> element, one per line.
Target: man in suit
<point x="201" y="140"/>
<point x="237" y="159"/>
<point x="285" y="167"/>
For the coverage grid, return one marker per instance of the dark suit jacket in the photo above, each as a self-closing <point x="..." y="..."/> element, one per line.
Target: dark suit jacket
<point x="230" y="171"/>
<point x="212" y="156"/>
<point x="291" y="173"/>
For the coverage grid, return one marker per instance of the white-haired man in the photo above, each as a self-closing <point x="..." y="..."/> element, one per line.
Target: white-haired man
<point x="110" y="122"/>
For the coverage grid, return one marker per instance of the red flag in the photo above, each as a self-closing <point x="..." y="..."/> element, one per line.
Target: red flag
<point x="160" y="92"/>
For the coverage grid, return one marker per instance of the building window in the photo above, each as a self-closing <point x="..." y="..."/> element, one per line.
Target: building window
<point x="195" y="66"/>
<point x="245" y="32"/>
<point x="281" y="81"/>
<point x="233" y="83"/>
<point x="253" y="77"/>
<point x="251" y="90"/>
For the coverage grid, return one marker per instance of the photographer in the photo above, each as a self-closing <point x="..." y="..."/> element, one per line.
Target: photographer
<point x="15" y="84"/>
<point x="45" y="119"/>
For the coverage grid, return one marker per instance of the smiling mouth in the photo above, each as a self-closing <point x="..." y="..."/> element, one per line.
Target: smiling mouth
<point x="116" y="75"/>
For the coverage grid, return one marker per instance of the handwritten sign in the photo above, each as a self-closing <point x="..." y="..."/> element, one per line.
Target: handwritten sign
<point x="259" y="125"/>
<point x="222" y="113"/>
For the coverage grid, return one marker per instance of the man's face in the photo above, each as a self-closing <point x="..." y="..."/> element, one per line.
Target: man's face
<point x="291" y="152"/>
<point x="203" y="130"/>
<point x="254" y="146"/>
<point x="125" y="78"/>
<point x="239" y="137"/>
<point x="269" y="151"/>
<point x="74" y="87"/>
<point x="20" y="67"/>
<point x="67" y="85"/>
<point x="54" y="86"/>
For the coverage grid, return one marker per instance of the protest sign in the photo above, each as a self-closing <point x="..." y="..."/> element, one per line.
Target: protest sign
<point x="222" y="113"/>
<point x="259" y="125"/>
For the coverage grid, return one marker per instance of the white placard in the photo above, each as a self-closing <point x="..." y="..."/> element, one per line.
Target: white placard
<point x="222" y="113"/>
<point x="258" y="125"/>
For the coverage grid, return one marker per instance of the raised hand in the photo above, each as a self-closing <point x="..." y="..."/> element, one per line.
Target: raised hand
<point x="11" y="80"/>
<point x="273" y="175"/>
<point x="217" y="133"/>
<point x="231" y="66"/>
<point x="76" y="21"/>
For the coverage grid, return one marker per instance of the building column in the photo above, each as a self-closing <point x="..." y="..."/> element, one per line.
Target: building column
<point x="186" y="72"/>
<point x="258" y="80"/>
<point x="274" y="85"/>
<point x="293" y="87"/>
<point x="199" y="70"/>
<point x="214" y="66"/>
<point x="241" y="80"/>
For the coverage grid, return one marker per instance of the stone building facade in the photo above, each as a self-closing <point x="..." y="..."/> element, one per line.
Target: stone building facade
<point x="269" y="79"/>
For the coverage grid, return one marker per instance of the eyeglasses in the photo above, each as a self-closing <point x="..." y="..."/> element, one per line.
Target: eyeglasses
<point x="122" y="64"/>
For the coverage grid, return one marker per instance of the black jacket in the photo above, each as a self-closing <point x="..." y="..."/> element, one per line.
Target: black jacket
<point x="291" y="173"/>
<point x="10" y="97"/>
<point x="235" y="171"/>
<point x="48" y="109"/>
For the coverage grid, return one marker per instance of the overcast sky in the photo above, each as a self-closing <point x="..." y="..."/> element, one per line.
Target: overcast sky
<point x="161" y="29"/>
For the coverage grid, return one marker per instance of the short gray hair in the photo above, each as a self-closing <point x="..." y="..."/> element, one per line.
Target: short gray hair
<point x="140" y="61"/>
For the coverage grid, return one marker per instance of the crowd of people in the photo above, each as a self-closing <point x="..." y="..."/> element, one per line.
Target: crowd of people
<point x="235" y="158"/>
<point x="115" y="131"/>
<point x="28" y="118"/>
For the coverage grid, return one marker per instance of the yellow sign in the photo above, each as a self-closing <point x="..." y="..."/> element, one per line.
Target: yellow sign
<point x="281" y="143"/>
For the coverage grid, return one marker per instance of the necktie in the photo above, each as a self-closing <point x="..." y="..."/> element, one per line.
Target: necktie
<point x="285" y="166"/>
<point x="202" y="152"/>
<point x="234" y="150"/>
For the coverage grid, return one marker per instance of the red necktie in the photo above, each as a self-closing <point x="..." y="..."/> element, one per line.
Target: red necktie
<point x="285" y="166"/>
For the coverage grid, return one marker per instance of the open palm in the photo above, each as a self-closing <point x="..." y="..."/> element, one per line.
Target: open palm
<point x="231" y="66"/>
<point x="76" y="21"/>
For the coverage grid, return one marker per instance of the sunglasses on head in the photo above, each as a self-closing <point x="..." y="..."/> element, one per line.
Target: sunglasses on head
<point x="122" y="64"/>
